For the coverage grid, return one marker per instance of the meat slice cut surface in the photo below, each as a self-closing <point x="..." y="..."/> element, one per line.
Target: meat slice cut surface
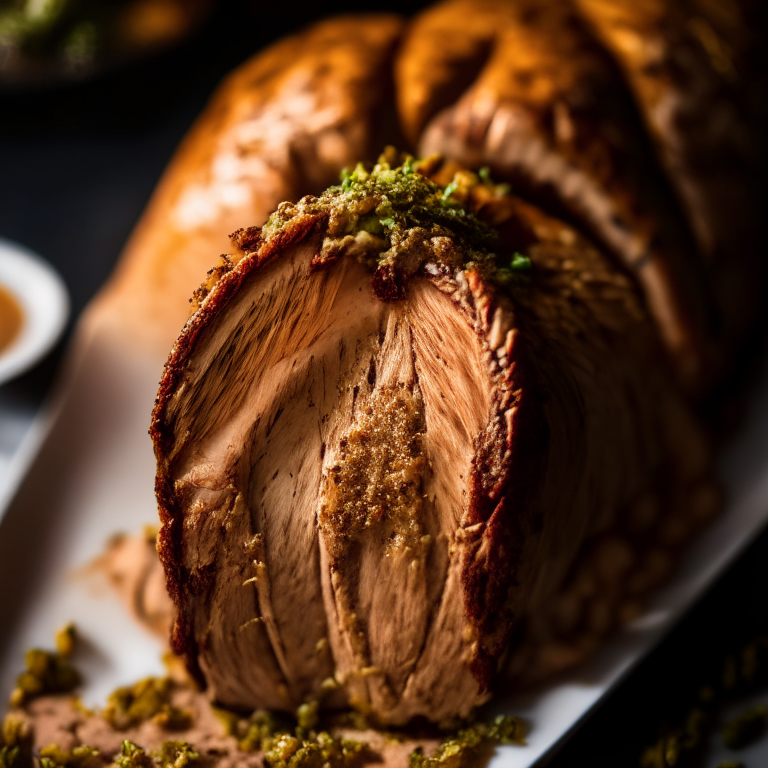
<point x="382" y="460"/>
<point x="333" y="438"/>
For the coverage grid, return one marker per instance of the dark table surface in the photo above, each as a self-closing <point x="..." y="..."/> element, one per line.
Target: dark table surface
<point x="77" y="166"/>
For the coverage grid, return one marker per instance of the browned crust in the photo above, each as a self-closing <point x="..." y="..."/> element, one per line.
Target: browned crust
<point x="549" y="111"/>
<point x="686" y="64"/>
<point x="448" y="50"/>
<point x="169" y="543"/>
<point x="263" y="116"/>
<point x="443" y="51"/>
<point x="506" y="473"/>
<point x="503" y="517"/>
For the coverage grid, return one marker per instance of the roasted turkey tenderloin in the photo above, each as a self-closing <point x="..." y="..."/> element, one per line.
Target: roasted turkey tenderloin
<point x="622" y="118"/>
<point x="392" y="435"/>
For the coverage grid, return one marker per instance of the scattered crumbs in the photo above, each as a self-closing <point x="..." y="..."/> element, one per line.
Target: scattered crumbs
<point x="148" y="699"/>
<point x="377" y="476"/>
<point x="82" y="756"/>
<point x="396" y="216"/>
<point x="739" y="673"/>
<point x="170" y="754"/>
<point x="460" y="750"/>
<point x="47" y="671"/>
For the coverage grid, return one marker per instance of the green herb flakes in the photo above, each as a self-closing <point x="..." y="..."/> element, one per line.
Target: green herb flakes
<point x="676" y="747"/>
<point x="307" y="715"/>
<point x="80" y="757"/>
<point x="15" y="742"/>
<point x="397" y="217"/>
<point x="460" y="750"/>
<point x="46" y="672"/>
<point x="174" y="754"/>
<point x="9" y="757"/>
<point x="519" y="266"/>
<point x="253" y="732"/>
<point x="320" y="751"/>
<point x="149" y="699"/>
<point x="170" y="754"/>
<point x="449" y="190"/>
<point x="412" y="219"/>
<point x="133" y="756"/>
<point x="506" y="729"/>
<point x="520" y="263"/>
<point x="741" y="672"/>
<point x="65" y="640"/>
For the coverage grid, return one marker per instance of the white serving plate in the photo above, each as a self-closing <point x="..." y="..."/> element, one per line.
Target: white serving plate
<point x="87" y="472"/>
<point x="44" y="303"/>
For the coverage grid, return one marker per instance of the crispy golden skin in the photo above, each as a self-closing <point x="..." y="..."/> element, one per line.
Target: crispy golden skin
<point x="279" y="127"/>
<point x="554" y="97"/>
<point x="686" y="63"/>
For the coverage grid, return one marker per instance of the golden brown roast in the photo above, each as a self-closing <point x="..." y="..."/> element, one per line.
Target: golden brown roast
<point x="543" y="94"/>
<point x="386" y="439"/>
<point x="549" y="111"/>
<point x="687" y="65"/>
<point x="392" y="451"/>
<point x="280" y="126"/>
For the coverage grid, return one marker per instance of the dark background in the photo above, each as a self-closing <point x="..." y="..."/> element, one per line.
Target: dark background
<point x="77" y="166"/>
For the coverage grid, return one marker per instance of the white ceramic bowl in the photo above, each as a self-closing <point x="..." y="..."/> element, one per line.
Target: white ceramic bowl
<point x="44" y="303"/>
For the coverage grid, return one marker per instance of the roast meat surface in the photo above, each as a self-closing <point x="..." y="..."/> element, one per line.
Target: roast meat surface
<point x="382" y="447"/>
<point x="280" y="126"/>
<point x="688" y="65"/>
<point x="625" y="119"/>
<point x="548" y="109"/>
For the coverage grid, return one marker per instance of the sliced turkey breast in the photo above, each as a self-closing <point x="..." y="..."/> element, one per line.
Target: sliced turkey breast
<point x="389" y="433"/>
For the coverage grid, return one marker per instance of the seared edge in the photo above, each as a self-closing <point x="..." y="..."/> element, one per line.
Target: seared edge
<point x="170" y="540"/>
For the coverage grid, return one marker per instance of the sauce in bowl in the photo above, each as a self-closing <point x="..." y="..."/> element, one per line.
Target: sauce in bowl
<point x="33" y="308"/>
<point x="11" y="318"/>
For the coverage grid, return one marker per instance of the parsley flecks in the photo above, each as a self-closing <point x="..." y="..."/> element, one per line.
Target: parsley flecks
<point x="15" y="742"/>
<point x="170" y="754"/>
<point x="520" y="263"/>
<point x="47" y="671"/>
<point x="449" y="190"/>
<point x="81" y="756"/>
<point x="461" y="750"/>
<point x="404" y="212"/>
<point x="397" y="217"/>
<point x="148" y="699"/>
